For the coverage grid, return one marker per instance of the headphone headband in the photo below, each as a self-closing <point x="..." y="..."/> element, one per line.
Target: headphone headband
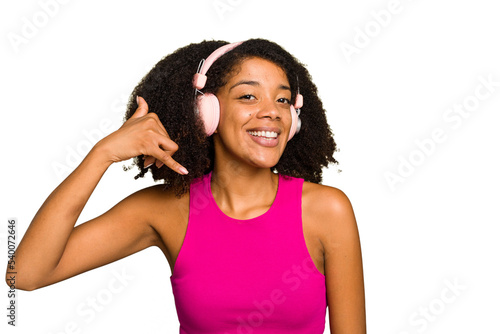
<point x="200" y="78"/>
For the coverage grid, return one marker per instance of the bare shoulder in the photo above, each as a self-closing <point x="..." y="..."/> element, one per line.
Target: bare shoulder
<point x="159" y="195"/>
<point x="325" y="199"/>
<point x="330" y="208"/>
<point x="161" y="205"/>
<point x="168" y="216"/>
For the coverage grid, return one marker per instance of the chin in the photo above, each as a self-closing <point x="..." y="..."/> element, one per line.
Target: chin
<point x="265" y="163"/>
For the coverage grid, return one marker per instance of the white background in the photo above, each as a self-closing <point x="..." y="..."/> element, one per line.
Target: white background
<point x="436" y="226"/>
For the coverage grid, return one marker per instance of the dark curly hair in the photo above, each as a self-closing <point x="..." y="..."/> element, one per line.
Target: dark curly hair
<point x="169" y="92"/>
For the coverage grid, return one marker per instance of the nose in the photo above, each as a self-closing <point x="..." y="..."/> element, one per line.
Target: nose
<point x="268" y="108"/>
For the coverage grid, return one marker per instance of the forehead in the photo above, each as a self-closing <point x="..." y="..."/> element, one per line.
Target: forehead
<point x="258" y="69"/>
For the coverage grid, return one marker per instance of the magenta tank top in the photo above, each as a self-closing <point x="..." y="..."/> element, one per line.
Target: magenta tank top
<point x="251" y="276"/>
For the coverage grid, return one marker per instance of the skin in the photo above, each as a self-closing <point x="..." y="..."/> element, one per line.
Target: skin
<point x="257" y="96"/>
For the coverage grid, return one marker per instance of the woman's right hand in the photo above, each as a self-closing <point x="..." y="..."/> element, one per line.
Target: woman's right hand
<point x="53" y="249"/>
<point x="142" y="133"/>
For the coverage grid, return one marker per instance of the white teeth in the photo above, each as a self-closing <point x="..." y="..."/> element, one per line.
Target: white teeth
<point x="265" y="134"/>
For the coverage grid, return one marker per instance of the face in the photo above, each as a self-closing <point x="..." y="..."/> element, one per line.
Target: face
<point x="255" y="114"/>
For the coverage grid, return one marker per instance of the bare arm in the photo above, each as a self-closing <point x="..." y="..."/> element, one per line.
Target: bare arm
<point x="43" y="243"/>
<point x="343" y="264"/>
<point x="53" y="249"/>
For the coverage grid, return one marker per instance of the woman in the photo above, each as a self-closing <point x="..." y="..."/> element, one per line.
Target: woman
<point x="254" y="243"/>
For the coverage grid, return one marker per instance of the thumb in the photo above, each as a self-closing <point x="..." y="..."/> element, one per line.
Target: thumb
<point x="142" y="108"/>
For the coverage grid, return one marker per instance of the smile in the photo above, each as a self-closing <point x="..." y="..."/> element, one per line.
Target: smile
<point x="264" y="138"/>
<point x="264" y="134"/>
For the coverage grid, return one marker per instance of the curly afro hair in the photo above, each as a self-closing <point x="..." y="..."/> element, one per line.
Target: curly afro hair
<point x="169" y="92"/>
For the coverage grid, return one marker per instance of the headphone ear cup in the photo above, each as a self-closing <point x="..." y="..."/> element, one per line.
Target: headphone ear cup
<point x="295" y="123"/>
<point x="209" y="111"/>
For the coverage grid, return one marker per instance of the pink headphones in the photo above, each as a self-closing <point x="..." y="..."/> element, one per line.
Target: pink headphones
<point x="208" y="105"/>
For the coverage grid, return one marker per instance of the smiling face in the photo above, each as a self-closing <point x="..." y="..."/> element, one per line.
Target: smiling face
<point x="255" y="115"/>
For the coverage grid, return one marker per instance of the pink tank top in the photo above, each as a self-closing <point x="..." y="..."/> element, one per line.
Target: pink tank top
<point x="251" y="276"/>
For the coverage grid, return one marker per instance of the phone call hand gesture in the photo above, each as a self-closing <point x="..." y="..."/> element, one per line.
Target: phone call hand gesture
<point x="143" y="133"/>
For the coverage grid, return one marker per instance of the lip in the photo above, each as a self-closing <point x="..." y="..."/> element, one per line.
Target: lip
<point x="261" y="140"/>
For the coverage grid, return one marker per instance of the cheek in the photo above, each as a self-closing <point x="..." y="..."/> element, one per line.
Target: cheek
<point x="287" y="116"/>
<point x="234" y="117"/>
<point x="287" y="119"/>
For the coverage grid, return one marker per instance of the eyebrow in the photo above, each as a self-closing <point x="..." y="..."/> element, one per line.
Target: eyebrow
<point x="256" y="83"/>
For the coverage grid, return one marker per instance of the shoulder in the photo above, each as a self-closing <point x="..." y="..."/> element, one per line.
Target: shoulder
<point x="158" y="200"/>
<point x="331" y="210"/>
<point x="331" y="200"/>
<point x="161" y="210"/>
<point x="156" y="206"/>
<point x="153" y="195"/>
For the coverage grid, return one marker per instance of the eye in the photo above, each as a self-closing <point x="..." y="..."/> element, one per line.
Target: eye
<point x="284" y="100"/>
<point x="247" y="97"/>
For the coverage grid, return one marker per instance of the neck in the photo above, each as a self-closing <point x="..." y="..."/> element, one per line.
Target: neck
<point x="242" y="190"/>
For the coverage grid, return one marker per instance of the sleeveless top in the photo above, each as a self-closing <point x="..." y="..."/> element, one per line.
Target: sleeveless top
<point x="254" y="276"/>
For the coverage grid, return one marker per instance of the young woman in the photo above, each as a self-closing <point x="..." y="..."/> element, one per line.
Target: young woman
<point x="254" y="242"/>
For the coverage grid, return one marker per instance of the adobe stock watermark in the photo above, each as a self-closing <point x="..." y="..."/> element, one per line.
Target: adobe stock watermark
<point x="380" y="20"/>
<point x="12" y="308"/>
<point x="429" y="313"/>
<point x="34" y="23"/>
<point x="74" y="155"/>
<point x="89" y="309"/>
<point x="222" y="7"/>
<point x="453" y="117"/>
